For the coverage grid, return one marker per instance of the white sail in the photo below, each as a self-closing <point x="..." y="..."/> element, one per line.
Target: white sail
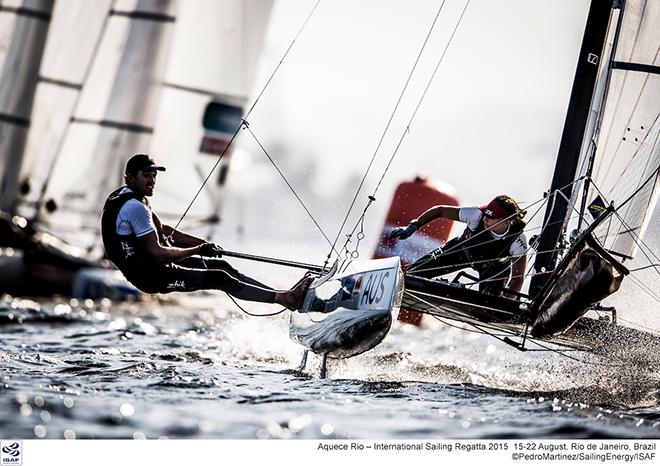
<point x="27" y="26"/>
<point x="72" y="42"/>
<point x="627" y="140"/>
<point x="114" y="116"/>
<point x="213" y="58"/>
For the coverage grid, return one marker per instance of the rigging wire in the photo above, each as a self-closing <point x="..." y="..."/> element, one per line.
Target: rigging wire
<point x="244" y="119"/>
<point x="291" y="188"/>
<point x="428" y="86"/>
<point x="638" y="326"/>
<point x="418" y="296"/>
<point x="654" y="174"/>
<point x="453" y="251"/>
<point x="372" y="198"/>
<point x="639" y="242"/>
<point x="387" y="126"/>
<point x="514" y="262"/>
<point x="644" y="268"/>
<point x="562" y="353"/>
<point x="636" y="281"/>
<point x="630" y="231"/>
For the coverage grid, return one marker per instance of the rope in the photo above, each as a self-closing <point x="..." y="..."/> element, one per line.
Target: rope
<point x="417" y="295"/>
<point x="514" y="262"/>
<point x="642" y="327"/>
<point x="645" y="267"/>
<point x="245" y="311"/>
<point x="637" y="282"/>
<point x="231" y="140"/>
<point x="382" y="137"/>
<point x="653" y="174"/>
<point x="630" y="231"/>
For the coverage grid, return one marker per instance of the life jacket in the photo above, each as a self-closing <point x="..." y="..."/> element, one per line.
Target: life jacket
<point x="123" y="250"/>
<point x="487" y="253"/>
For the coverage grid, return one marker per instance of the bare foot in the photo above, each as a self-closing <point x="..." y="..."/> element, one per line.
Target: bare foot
<point x="294" y="298"/>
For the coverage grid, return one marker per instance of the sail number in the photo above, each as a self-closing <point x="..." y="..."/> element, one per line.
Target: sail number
<point x="376" y="287"/>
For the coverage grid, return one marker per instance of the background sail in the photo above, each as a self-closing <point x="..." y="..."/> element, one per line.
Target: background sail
<point x="70" y="49"/>
<point x="113" y="118"/>
<point x="627" y="127"/>
<point x="23" y="31"/>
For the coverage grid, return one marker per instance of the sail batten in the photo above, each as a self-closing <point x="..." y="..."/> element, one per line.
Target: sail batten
<point x="641" y="67"/>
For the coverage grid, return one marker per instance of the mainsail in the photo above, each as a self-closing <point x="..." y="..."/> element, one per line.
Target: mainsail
<point x="618" y="166"/>
<point x="622" y="156"/>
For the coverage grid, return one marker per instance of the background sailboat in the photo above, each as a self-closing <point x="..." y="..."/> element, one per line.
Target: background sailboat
<point x="138" y="84"/>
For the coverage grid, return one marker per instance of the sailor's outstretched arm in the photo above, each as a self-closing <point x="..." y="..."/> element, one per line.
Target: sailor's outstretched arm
<point x="436" y="212"/>
<point x="444" y="211"/>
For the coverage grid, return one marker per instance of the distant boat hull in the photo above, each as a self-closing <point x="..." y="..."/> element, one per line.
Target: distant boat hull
<point x="38" y="264"/>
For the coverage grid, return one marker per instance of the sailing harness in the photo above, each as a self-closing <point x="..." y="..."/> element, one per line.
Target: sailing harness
<point x="122" y="250"/>
<point x="484" y="256"/>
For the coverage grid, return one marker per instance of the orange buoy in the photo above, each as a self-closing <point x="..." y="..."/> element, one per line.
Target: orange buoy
<point x="410" y="200"/>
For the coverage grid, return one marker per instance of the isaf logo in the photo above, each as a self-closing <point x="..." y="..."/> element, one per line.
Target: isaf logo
<point x="11" y="453"/>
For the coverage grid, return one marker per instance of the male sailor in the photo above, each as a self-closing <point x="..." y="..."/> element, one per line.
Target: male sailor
<point x="157" y="258"/>
<point x="493" y="244"/>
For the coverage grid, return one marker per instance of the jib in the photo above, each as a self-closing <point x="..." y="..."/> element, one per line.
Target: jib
<point x="374" y="288"/>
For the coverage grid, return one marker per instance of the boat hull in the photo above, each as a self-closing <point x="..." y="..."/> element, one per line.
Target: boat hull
<point x="587" y="275"/>
<point x="349" y="313"/>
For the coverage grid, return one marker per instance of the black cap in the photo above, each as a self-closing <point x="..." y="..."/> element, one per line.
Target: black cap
<point x="142" y="162"/>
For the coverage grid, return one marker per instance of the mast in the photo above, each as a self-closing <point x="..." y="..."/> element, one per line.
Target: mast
<point x="575" y="124"/>
<point x="18" y="84"/>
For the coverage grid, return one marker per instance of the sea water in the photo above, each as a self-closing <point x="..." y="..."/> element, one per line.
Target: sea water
<point x="197" y="367"/>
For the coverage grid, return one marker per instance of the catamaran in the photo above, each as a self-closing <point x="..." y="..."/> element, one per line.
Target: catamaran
<point x="603" y="192"/>
<point x="597" y="207"/>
